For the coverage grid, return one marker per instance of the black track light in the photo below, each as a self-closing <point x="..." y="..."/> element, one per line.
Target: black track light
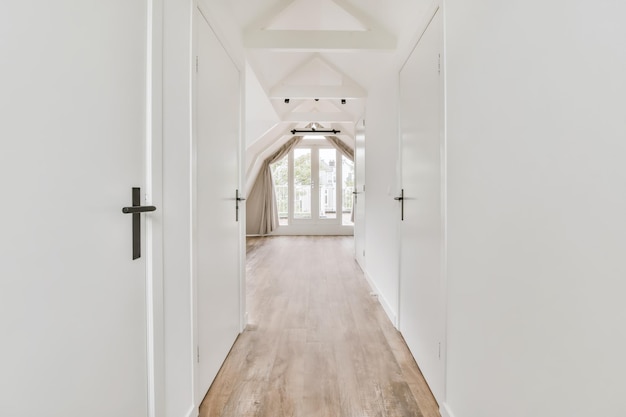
<point x="286" y="101"/>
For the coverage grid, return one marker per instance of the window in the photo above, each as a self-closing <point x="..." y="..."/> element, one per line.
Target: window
<point x="306" y="185"/>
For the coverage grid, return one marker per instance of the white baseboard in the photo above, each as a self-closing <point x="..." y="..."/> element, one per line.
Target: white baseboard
<point x="383" y="302"/>
<point x="445" y="411"/>
<point x="194" y="412"/>
<point x="314" y="230"/>
<point x="361" y="261"/>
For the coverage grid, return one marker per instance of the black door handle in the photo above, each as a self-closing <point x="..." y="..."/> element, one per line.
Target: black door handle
<point x="401" y="200"/>
<point x="237" y="200"/>
<point x="138" y="209"/>
<point x="135" y="210"/>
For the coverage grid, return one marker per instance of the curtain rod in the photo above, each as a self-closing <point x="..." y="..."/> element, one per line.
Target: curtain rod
<point x="334" y="131"/>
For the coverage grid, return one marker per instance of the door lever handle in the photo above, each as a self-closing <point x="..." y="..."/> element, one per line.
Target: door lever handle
<point x="237" y="200"/>
<point x="401" y="200"/>
<point x="138" y="209"/>
<point x="135" y="210"/>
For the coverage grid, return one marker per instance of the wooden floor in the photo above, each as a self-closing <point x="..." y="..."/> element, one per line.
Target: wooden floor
<point x="318" y="344"/>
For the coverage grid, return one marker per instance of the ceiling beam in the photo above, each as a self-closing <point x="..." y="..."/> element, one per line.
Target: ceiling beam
<point x="341" y="117"/>
<point x="325" y="40"/>
<point x="349" y="91"/>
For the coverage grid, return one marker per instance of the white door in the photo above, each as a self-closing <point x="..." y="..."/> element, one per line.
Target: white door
<point x="217" y="117"/>
<point x="422" y="233"/>
<point x="72" y="144"/>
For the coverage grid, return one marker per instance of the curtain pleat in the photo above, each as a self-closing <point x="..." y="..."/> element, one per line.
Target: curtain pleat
<point x="340" y="145"/>
<point x="261" y="206"/>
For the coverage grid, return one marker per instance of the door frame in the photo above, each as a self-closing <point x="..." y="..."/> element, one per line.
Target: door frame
<point x="155" y="326"/>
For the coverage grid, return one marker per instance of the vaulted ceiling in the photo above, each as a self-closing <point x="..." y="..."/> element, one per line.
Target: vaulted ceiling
<point x="316" y="53"/>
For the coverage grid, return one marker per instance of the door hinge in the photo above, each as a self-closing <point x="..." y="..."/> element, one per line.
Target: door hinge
<point x="198" y="353"/>
<point x="439" y="65"/>
<point x="197" y="63"/>
<point x="439" y="350"/>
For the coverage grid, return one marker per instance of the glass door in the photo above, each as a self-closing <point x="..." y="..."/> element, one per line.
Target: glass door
<point x="314" y="185"/>
<point x="327" y="183"/>
<point x="302" y="184"/>
<point x="315" y="193"/>
<point x="347" y="195"/>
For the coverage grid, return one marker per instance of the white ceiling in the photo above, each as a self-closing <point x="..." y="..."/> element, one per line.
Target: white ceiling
<point x="318" y="15"/>
<point x="317" y="49"/>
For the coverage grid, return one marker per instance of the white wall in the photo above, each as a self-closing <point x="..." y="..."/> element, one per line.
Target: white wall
<point x="260" y="114"/>
<point x="537" y="203"/>
<point x="382" y="212"/>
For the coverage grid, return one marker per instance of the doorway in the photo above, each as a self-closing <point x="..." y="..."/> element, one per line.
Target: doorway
<point x="314" y="187"/>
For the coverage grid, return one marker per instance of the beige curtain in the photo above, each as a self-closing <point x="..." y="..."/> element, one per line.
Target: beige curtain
<point x="261" y="207"/>
<point x="346" y="151"/>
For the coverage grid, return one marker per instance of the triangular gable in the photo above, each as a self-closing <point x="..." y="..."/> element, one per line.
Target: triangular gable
<point x="315" y="15"/>
<point x="317" y="24"/>
<point x="317" y="78"/>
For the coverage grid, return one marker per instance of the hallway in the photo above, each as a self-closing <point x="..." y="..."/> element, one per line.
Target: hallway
<point x="318" y="343"/>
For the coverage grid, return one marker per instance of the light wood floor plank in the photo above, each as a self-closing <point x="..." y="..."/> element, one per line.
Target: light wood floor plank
<point x="318" y="343"/>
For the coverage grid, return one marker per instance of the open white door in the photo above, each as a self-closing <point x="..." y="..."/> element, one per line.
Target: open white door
<point x="422" y="229"/>
<point x="72" y="144"/>
<point x="217" y="117"/>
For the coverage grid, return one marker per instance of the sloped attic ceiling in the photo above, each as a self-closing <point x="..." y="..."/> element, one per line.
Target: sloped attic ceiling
<point x="317" y="25"/>
<point x="315" y="91"/>
<point x="317" y="78"/>
<point x="320" y="15"/>
<point x="303" y="50"/>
